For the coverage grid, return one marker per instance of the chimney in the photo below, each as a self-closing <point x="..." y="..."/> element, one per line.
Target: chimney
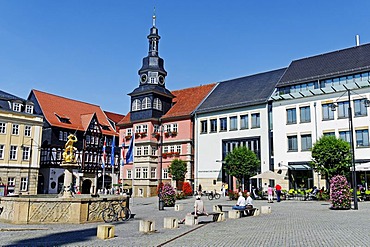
<point x="357" y="40"/>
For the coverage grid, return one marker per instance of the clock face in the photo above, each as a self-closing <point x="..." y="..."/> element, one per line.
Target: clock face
<point x="161" y="79"/>
<point x="143" y="78"/>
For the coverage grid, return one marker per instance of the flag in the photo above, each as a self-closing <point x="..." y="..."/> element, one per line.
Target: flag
<point x="112" y="152"/>
<point x="122" y="154"/>
<point x="130" y="151"/>
<point x="104" y="153"/>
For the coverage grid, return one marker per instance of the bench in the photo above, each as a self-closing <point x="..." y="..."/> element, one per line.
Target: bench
<point x="214" y="215"/>
<point x="245" y="212"/>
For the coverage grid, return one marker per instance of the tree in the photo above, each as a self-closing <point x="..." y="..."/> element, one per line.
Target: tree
<point x="331" y="156"/>
<point x="241" y="163"/>
<point x="177" y="169"/>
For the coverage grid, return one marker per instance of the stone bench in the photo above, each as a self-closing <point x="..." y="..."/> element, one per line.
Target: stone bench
<point x="191" y="220"/>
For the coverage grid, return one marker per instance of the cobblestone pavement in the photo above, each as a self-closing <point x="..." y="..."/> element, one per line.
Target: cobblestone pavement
<point x="291" y="223"/>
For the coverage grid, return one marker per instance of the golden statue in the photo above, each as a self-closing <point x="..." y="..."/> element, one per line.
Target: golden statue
<point x="68" y="154"/>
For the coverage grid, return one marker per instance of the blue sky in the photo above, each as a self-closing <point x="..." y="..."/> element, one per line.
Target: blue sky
<point x="91" y="50"/>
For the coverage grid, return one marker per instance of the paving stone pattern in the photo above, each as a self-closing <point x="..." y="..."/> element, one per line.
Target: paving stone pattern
<point x="291" y="223"/>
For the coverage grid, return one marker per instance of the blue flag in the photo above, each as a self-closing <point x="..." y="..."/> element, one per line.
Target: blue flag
<point x="104" y="153"/>
<point x="112" y="152"/>
<point x="130" y="152"/>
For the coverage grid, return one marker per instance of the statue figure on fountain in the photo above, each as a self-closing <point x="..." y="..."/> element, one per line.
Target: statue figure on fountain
<point x="68" y="154"/>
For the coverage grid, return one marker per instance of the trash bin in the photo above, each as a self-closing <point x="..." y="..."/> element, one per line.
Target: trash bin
<point x="161" y="204"/>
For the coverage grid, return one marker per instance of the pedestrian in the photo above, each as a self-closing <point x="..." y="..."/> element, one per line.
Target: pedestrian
<point x="278" y="192"/>
<point x="270" y="192"/>
<point x="226" y="188"/>
<point x="223" y="190"/>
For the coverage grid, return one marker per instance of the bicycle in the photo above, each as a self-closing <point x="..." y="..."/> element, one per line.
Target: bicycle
<point x="116" y="211"/>
<point x="214" y="195"/>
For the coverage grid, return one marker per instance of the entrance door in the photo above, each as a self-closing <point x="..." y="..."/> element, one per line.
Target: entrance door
<point x="86" y="186"/>
<point x="40" y="185"/>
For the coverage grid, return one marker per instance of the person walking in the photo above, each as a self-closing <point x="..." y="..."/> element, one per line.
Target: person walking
<point x="270" y="192"/>
<point x="278" y="192"/>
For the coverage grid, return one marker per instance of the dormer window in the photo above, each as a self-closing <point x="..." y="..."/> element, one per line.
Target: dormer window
<point x="136" y="105"/>
<point x="17" y="107"/>
<point x="104" y="127"/>
<point x="157" y="104"/>
<point x="29" y="109"/>
<point x="62" y="118"/>
<point x="146" y="103"/>
<point x="152" y="80"/>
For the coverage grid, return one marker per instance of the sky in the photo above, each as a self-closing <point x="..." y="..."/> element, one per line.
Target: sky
<point x="91" y="50"/>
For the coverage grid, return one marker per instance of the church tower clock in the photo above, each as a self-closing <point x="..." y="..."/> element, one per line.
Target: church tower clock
<point x="151" y="99"/>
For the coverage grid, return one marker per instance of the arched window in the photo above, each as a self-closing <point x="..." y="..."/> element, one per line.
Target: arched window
<point x="146" y="103"/>
<point x="157" y="104"/>
<point x="136" y="105"/>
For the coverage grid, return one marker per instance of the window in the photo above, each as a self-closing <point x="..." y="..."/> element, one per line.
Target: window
<point x="167" y="128"/>
<point x="1" y="151"/>
<point x="29" y="109"/>
<point x="156" y="128"/>
<point x="145" y="172"/>
<point x="223" y="124"/>
<point x="60" y="135"/>
<point x="291" y="116"/>
<point x="27" y="130"/>
<point x="153" y="172"/>
<point x="146" y="150"/>
<point x="129" y="175"/>
<point x="154" y="150"/>
<point x="306" y="142"/>
<point x="2" y="128"/>
<point x="165" y="149"/>
<point x="178" y="149"/>
<point x="165" y="173"/>
<point x="213" y="125"/>
<point x="15" y="129"/>
<point x="305" y="114"/>
<point x="172" y="149"/>
<point x="145" y="128"/>
<point x="233" y="123"/>
<point x="13" y="152"/>
<point x="16" y="107"/>
<point x="146" y="103"/>
<point x="136" y="105"/>
<point x="343" y="109"/>
<point x="26" y="153"/>
<point x="345" y="135"/>
<point x="11" y="181"/>
<point x="138" y="172"/>
<point x="329" y="134"/>
<point x="360" y="108"/>
<point x="24" y="182"/>
<point x="255" y="120"/>
<point x="244" y="122"/>
<point x="137" y="128"/>
<point x="292" y="144"/>
<point x="327" y="113"/>
<point x="129" y="132"/>
<point x="152" y="80"/>
<point x="87" y="139"/>
<point x="362" y="138"/>
<point x="65" y="135"/>
<point x="203" y="127"/>
<point x="174" y="127"/>
<point x="138" y="151"/>
<point x="157" y="104"/>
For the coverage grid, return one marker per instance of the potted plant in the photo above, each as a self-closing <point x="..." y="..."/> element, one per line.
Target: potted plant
<point x="168" y="195"/>
<point x="340" y="196"/>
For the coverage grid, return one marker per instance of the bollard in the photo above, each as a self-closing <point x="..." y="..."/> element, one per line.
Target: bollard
<point x="256" y="212"/>
<point x="265" y="210"/>
<point x="233" y="214"/>
<point x="171" y="223"/>
<point x="105" y="231"/>
<point x="191" y="220"/>
<point x="221" y="217"/>
<point x="216" y="208"/>
<point x="147" y="226"/>
<point x="179" y="207"/>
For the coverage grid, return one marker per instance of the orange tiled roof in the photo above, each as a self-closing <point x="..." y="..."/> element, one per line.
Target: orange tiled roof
<point x="115" y="117"/>
<point x="76" y="112"/>
<point x="187" y="100"/>
<point x="125" y="120"/>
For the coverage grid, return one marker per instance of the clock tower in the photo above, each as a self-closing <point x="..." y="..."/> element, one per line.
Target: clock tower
<point x="151" y="99"/>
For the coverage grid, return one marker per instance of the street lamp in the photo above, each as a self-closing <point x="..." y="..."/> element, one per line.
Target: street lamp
<point x="350" y="122"/>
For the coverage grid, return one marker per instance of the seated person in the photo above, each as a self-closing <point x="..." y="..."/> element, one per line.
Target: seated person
<point x="199" y="208"/>
<point x="240" y="205"/>
<point x="249" y="201"/>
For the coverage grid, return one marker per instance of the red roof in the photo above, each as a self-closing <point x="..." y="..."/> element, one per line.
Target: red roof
<point x="184" y="103"/>
<point x="77" y="114"/>
<point x="187" y="100"/>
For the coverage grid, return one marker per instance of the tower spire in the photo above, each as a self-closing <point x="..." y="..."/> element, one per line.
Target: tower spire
<point x="154" y="17"/>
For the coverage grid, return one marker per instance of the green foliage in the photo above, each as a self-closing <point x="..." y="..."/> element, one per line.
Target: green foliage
<point x="331" y="156"/>
<point x="241" y="162"/>
<point x="177" y="169"/>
